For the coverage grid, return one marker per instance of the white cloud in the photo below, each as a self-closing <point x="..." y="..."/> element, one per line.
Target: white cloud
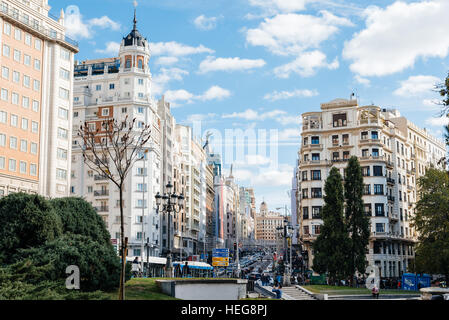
<point x="279" y="116"/>
<point x="274" y="177"/>
<point x="291" y="34"/>
<point x="253" y="160"/>
<point x="274" y="96"/>
<point x="281" y="5"/>
<point x="435" y="103"/>
<point x="200" y="117"/>
<point x="112" y="48"/>
<point x="397" y="36"/>
<point x="77" y="28"/>
<point x="166" y="61"/>
<point x="361" y="80"/>
<point x="166" y="75"/>
<point x="306" y="65"/>
<point x="178" y="95"/>
<point x="416" y="86"/>
<point x="176" y="49"/>
<point x="229" y="64"/>
<point x="105" y="23"/>
<point x="290" y="134"/>
<point x="204" y="23"/>
<point x="213" y="93"/>
<point x="437" y="122"/>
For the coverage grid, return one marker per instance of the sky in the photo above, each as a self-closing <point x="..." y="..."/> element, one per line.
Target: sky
<point x="257" y="65"/>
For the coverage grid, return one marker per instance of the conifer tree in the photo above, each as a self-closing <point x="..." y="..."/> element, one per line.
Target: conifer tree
<point x="332" y="246"/>
<point x="357" y="222"/>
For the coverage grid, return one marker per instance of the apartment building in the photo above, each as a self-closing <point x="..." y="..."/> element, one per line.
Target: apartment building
<point x="266" y="223"/>
<point x="36" y="84"/>
<point x="119" y="88"/>
<point x="393" y="154"/>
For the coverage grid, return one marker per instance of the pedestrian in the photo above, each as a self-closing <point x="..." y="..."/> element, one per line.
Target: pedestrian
<point x="399" y="284"/>
<point x="277" y="290"/>
<point x="375" y="292"/>
<point x="186" y="270"/>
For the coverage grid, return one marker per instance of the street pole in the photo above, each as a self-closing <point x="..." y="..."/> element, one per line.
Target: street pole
<point x="143" y="212"/>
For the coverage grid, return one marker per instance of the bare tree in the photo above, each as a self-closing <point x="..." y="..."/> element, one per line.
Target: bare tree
<point x="111" y="148"/>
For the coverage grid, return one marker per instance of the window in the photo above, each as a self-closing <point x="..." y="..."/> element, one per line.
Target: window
<point x="2" y="163"/>
<point x="26" y="81"/>
<point x="316" y="193"/>
<point x="305" y="193"/>
<point x="316" y="212"/>
<point x="339" y="120"/>
<point x="16" y="77"/>
<point x="315" y="140"/>
<point x="335" y="140"/>
<point x="105" y="112"/>
<point x="316" y="174"/>
<point x="2" y="140"/>
<point x="12" y="165"/>
<point x="98" y="87"/>
<point x="380" y="227"/>
<point x="367" y="209"/>
<point x="23" y="145"/>
<point x="306" y="141"/>
<point x="65" y="54"/>
<point x="36" y="85"/>
<point x="38" y="44"/>
<point x="140" y="82"/>
<point x="374" y="135"/>
<point x="346" y="155"/>
<point x="35" y="106"/>
<point x="3" y="117"/>
<point x="17" y="34"/>
<point x="23" y="167"/>
<point x="24" y="124"/>
<point x="14" y="98"/>
<point x="26" y="60"/>
<point x="5" y="73"/>
<point x="13" y="143"/>
<point x="366" y="189"/>
<point x="25" y="102"/>
<point x="304" y="176"/>
<point x="346" y="139"/>
<point x="379" y="210"/>
<point x="305" y="213"/>
<point x="28" y="39"/>
<point x="306" y="230"/>
<point x="63" y="114"/>
<point x="335" y="156"/>
<point x="37" y="64"/>
<point x="62" y="154"/>
<point x="375" y="152"/>
<point x="62" y="133"/>
<point x="366" y="171"/>
<point x="140" y="110"/>
<point x="377" y="171"/>
<point x="315" y="157"/>
<point x="6" y="51"/>
<point x="111" y="86"/>
<point x="124" y="110"/>
<point x="378" y="189"/>
<point x="4" y="95"/>
<point x="7" y="28"/>
<point x="34" y="127"/>
<point x="316" y="229"/>
<point x="14" y="120"/>
<point x="17" y="55"/>
<point x="141" y="187"/>
<point x="364" y="135"/>
<point x="33" y="148"/>
<point x="64" y="93"/>
<point x="61" y="174"/>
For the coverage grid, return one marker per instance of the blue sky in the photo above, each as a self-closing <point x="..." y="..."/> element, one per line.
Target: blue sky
<point x="259" y="64"/>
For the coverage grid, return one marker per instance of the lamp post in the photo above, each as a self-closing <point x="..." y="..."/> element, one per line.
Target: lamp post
<point x="169" y="203"/>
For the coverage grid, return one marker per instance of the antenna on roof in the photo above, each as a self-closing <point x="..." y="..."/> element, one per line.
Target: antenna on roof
<point x="135" y="15"/>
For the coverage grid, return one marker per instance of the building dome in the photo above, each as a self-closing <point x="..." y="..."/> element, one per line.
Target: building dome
<point x="134" y="37"/>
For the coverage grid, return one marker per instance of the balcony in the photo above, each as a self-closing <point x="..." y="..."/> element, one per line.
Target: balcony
<point x="394" y="217"/>
<point x="389" y="164"/>
<point x="370" y="141"/>
<point x="410" y="188"/>
<point x="391" y="198"/>
<point x="100" y="178"/>
<point x="313" y="147"/>
<point x="409" y="172"/>
<point x="390" y="181"/>
<point x="102" y="209"/>
<point x="101" y="193"/>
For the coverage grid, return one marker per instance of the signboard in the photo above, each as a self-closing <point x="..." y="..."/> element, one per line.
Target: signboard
<point x="220" y="257"/>
<point x="114" y="241"/>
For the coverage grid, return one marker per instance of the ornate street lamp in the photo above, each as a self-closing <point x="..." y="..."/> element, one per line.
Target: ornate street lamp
<point x="169" y="203"/>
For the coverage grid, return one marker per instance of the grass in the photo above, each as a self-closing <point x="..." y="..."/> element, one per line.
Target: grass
<point x="142" y="289"/>
<point x="147" y="289"/>
<point x="335" y="290"/>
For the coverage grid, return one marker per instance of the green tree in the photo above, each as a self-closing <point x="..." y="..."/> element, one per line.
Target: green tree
<point x="79" y="217"/>
<point x="26" y="221"/>
<point x="98" y="262"/>
<point x="333" y="244"/>
<point x="431" y="222"/>
<point x="358" y="223"/>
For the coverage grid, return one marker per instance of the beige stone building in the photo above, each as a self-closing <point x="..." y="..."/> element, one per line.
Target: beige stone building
<point x="393" y="154"/>
<point x="36" y="82"/>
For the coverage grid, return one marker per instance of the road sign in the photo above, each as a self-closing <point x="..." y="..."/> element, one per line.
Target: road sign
<point x="220" y="253"/>
<point x="214" y="259"/>
<point x="220" y="264"/>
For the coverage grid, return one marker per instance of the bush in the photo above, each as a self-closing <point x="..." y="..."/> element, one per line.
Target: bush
<point x="98" y="263"/>
<point x="26" y="221"/>
<point x="79" y="217"/>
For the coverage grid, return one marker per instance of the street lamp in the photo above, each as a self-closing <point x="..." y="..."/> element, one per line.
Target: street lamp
<point x="169" y="203"/>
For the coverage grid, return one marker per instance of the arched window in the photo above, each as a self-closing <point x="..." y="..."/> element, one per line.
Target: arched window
<point x="140" y="64"/>
<point x="128" y="63"/>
